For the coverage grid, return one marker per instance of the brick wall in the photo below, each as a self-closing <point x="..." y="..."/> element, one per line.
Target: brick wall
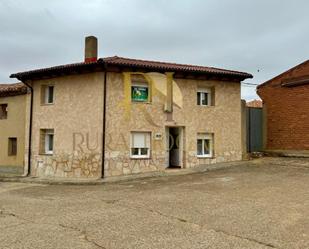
<point x="287" y="111"/>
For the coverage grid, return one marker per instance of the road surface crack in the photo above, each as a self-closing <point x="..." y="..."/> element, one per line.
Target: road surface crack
<point x="211" y="229"/>
<point x="4" y="213"/>
<point x="110" y="201"/>
<point x="84" y="235"/>
<point x="245" y="238"/>
<point x="92" y="241"/>
<point x="170" y="216"/>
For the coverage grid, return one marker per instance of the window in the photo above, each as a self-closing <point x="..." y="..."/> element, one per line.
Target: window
<point x="140" y="92"/>
<point x="3" y="111"/>
<point x="204" y="97"/>
<point x="12" y="150"/>
<point x="47" y="95"/>
<point x="140" y="144"/>
<point x="47" y="141"/>
<point x="205" y="145"/>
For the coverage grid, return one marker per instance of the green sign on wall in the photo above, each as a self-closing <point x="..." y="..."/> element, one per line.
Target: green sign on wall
<point x="139" y="93"/>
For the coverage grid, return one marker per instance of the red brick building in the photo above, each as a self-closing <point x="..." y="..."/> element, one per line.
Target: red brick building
<point x="286" y="102"/>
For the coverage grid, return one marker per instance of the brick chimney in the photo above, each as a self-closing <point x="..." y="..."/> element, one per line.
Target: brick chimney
<point x="91" y="49"/>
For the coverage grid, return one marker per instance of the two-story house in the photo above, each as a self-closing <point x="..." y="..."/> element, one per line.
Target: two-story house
<point x="12" y="124"/>
<point x="115" y="116"/>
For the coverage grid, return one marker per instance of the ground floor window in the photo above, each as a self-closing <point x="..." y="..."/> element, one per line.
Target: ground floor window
<point x="47" y="141"/>
<point x="12" y="146"/>
<point x="140" y="144"/>
<point x="205" y="145"/>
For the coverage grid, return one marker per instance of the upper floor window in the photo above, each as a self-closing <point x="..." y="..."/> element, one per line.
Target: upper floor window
<point x="140" y="92"/>
<point x="3" y="111"/>
<point x="12" y="148"/>
<point x="140" y="144"/>
<point x="205" y="145"/>
<point x="47" y="141"/>
<point x="47" y="95"/>
<point x="204" y="96"/>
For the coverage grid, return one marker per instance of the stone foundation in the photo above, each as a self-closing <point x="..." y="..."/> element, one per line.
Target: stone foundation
<point x="76" y="165"/>
<point x="122" y="164"/>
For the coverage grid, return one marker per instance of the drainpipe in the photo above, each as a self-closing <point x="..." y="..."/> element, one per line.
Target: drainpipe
<point x="30" y="129"/>
<point x="104" y="124"/>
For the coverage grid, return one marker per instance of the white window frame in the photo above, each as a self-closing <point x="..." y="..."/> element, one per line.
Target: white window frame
<point x="140" y="156"/>
<point x="47" y="136"/>
<point x="204" y="137"/>
<point x="139" y="84"/>
<point x="202" y="92"/>
<point x="47" y="94"/>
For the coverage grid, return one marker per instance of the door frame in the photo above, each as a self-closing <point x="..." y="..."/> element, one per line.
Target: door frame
<point x="181" y="145"/>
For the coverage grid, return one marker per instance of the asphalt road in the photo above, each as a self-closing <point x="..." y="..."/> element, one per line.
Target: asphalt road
<point x="260" y="205"/>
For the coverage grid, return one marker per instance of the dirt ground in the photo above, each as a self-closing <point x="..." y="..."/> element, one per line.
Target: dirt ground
<point x="262" y="204"/>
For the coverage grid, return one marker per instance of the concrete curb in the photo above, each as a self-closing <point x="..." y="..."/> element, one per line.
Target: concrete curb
<point x="286" y="153"/>
<point x="119" y="179"/>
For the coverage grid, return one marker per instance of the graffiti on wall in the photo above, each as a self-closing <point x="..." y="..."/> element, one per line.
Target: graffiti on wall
<point x="85" y="160"/>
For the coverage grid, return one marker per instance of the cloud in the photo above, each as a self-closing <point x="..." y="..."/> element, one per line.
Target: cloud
<point x="269" y="36"/>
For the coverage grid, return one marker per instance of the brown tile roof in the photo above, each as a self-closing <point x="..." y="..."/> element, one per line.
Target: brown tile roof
<point x="7" y="90"/>
<point x="255" y="103"/>
<point x="165" y="66"/>
<point x="65" y="69"/>
<point x="282" y="74"/>
<point x="134" y="64"/>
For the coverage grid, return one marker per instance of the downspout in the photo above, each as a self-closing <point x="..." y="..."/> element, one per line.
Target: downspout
<point x="104" y="124"/>
<point x="30" y="129"/>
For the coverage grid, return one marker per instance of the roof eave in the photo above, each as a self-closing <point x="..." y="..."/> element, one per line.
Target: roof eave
<point x="239" y="75"/>
<point x="103" y="64"/>
<point x="59" y="71"/>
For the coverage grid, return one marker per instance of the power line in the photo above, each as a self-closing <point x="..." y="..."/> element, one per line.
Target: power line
<point x="249" y="84"/>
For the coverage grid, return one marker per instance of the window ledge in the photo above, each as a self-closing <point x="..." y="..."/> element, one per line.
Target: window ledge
<point x="46" y="154"/>
<point x="208" y="106"/>
<point x="206" y="156"/>
<point x="46" y="104"/>
<point x="139" y="158"/>
<point x="141" y="102"/>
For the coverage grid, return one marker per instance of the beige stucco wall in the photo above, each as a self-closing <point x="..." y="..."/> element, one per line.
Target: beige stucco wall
<point x="76" y="117"/>
<point x="223" y="119"/>
<point x="13" y="126"/>
<point x="77" y="114"/>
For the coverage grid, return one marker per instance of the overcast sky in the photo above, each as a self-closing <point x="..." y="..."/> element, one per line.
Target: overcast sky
<point x="264" y="37"/>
